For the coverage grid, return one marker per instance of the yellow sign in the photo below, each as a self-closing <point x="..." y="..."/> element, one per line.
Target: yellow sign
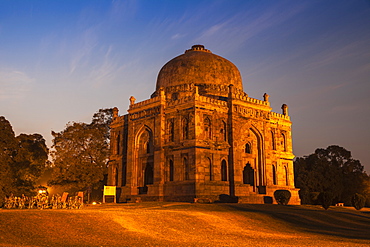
<point x="109" y="190"/>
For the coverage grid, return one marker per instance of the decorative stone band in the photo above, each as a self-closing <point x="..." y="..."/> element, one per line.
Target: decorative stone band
<point x="256" y="113"/>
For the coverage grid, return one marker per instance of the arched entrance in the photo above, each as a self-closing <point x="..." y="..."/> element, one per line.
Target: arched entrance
<point x="148" y="174"/>
<point x="248" y="175"/>
<point x="145" y="159"/>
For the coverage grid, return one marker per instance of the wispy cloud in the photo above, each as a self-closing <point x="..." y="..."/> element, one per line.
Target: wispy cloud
<point x="234" y="31"/>
<point x="178" y="36"/>
<point x="85" y="46"/>
<point x="122" y="9"/>
<point x="14" y="84"/>
<point x="337" y="53"/>
<point x="105" y="71"/>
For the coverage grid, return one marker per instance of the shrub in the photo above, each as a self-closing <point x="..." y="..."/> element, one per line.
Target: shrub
<point x="314" y="197"/>
<point x="358" y="201"/>
<point x="304" y="195"/>
<point x="282" y="196"/>
<point x="326" y="199"/>
<point x="228" y="199"/>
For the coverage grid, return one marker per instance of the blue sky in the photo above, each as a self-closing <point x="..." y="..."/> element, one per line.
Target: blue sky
<point x="61" y="61"/>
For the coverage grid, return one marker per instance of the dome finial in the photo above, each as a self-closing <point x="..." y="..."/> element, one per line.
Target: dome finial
<point x="198" y="48"/>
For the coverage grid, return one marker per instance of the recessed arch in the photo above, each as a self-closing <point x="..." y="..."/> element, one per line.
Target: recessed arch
<point x="185" y="128"/>
<point x="260" y="165"/>
<point x="248" y="174"/>
<point x="186" y="168"/>
<point x="118" y="142"/>
<point x="207" y="128"/>
<point x="286" y="175"/>
<point x="284" y="142"/>
<point x="148" y="174"/>
<point x="273" y="143"/>
<point x="224" y="170"/>
<point x="171" y="170"/>
<point x="248" y="148"/>
<point x="223" y="130"/>
<point x="274" y="177"/>
<point x="171" y="130"/>
<point x="146" y="132"/>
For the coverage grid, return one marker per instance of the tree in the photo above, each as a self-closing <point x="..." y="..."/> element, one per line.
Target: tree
<point x="326" y="199"/>
<point x="331" y="170"/>
<point x="80" y="153"/>
<point x="30" y="162"/>
<point x="22" y="160"/>
<point x="7" y="151"/>
<point x="358" y="201"/>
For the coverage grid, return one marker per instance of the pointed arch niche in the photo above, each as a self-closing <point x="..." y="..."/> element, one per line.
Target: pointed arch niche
<point x="207" y="128"/>
<point x="223" y="170"/>
<point x="257" y="149"/>
<point x="171" y="174"/>
<point x="248" y="174"/>
<point x="144" y="159"/>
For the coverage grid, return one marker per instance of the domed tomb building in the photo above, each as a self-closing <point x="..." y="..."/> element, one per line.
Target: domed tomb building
<point x="201" y="137"/>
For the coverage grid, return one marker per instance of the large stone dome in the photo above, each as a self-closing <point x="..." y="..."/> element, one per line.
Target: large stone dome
<point x="199" y="66"/>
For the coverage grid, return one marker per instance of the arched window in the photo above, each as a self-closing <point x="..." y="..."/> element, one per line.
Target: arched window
<point x="248" y="148"/>
<point x="223" y="171"/>
<point x="207" y="128"/>
<point x="171" y="175"/>
<point x="286" y="176"/>
<point x="273" y="145"/>
<point x="171" y="130"/>
<point x="284" y="141"/>
<point x="223" y="131"/>
<point x="187" y="169"/>
<point x="146" y="142"/>
<point x="274" y="178"/>
<point x="124" y="174"/>
<point x="248" y="174"/>
<point x="185" y="128"/>
<point x="149" y="174"/>
<point x="118" y="143"/>
<point x="147" y="147"/>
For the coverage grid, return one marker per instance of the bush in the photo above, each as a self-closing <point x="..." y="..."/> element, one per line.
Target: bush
<point x="358" y="201"/>
<point x="304" y="195"/>
<point x="326" y="199"/>
<point x="228" y="199"/>
<point x="314" y="197"/>
<point x="282" y="196"/>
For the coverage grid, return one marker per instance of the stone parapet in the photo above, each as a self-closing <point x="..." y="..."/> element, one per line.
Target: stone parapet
<point x="255" y="101"/>
<point x="279" y="116"/>
<point x="145" y="104"/>
<point x="210" y="100"/>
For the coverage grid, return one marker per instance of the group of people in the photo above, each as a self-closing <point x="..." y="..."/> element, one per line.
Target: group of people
<point x="42" y="201"/>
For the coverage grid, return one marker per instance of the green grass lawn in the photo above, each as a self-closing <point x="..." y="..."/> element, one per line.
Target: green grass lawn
<point x="185" y="224"/>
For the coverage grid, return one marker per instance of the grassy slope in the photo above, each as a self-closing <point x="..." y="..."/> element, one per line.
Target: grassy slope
<point x="183" y="224"/>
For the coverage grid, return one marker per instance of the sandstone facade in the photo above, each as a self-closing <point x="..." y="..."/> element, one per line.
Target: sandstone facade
<point x="200" y="136"/>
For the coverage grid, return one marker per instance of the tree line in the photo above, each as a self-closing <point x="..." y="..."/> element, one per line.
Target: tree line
<point x="79" y="156"/>
<point x="332" y="171"/>
<point x="77" y="159"/>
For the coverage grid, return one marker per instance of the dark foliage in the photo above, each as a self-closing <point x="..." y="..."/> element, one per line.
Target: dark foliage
<point x="333" y="170"/>
<point x="358" y="201"/>
<point x="22" y="161"/>
<point x="81" y="153"/>
<point x="282" y="197"/>
<point x="326" y="199"/>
